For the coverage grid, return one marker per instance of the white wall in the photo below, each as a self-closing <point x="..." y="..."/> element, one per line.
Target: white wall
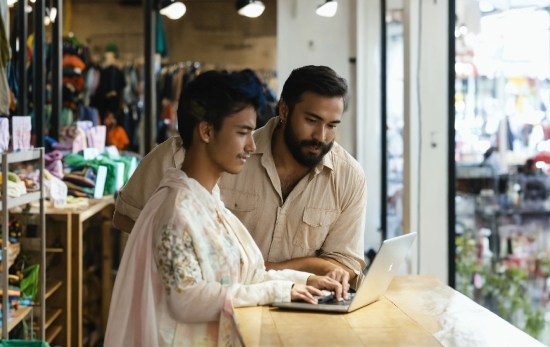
<point x="304" y="38"/>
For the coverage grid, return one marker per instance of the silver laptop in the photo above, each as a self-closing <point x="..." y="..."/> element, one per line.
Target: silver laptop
<point x="386" y="263"/>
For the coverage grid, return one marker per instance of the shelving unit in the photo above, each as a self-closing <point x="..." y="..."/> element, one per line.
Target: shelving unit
<point x="8" y="323"/>
<point x="58" y="268"/>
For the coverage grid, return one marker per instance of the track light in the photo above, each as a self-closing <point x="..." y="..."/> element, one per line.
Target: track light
<point x="250" y="8"/>
<point x="328" y="9"/>
<point x="47" y="20"/>
<point x="53" y="14"/>
<point x="173" y="9"/>
<point x="11" y="3"/>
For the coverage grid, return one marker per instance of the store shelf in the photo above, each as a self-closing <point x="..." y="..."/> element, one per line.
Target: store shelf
<point x="22" y="200"/>
<point x="6" y="204"/>
<point x="13" y="251"/>
<point x="15" y="157"/>
<point x="20" y="314"/>
<point x="52" y="333"/>
<point x="52" y="286"/>
<point x="51" y="316"/>
<point x="464" y="172"/>
<point x="54" y="250"/>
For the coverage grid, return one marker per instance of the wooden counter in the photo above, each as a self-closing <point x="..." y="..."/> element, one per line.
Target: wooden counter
<point x="415" y="311"/>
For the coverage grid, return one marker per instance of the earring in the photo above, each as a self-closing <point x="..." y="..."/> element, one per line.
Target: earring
<point x="282" y="121"/>
<point x="206" y="140"/>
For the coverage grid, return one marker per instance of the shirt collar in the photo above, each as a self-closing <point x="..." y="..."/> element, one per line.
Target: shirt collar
<point x="263" y="137"/>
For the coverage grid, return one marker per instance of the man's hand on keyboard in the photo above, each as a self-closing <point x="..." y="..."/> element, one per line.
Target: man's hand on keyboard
<point x="341" y="276"/>
<point x="325" y="282"/>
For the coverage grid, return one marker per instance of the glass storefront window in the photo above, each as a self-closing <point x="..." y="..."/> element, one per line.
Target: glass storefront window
<point x="394" y="121"/>
<point x="502" y="154"/>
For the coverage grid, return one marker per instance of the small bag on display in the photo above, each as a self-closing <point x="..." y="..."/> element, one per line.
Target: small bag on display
<point x="21" y="133"/>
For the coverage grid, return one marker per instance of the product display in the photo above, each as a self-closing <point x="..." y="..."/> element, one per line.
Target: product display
<point x="503" y="187"/>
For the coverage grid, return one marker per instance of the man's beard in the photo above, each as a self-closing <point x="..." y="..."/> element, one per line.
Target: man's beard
<point x="295" y="147"/>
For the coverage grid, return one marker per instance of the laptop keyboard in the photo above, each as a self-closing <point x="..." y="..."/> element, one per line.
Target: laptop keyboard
<point x="339" y="303"/>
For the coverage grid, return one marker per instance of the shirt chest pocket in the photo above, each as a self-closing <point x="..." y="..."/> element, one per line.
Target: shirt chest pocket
<point x="238" y="201"/>
<point x="316" y="223"/>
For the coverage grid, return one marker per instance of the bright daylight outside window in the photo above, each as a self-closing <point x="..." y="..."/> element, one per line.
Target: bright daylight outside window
<point x="502" y="153"/>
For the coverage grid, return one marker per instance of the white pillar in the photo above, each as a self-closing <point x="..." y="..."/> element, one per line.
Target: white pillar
<point x="426" y="138"/>
<point x="368" y="111"/>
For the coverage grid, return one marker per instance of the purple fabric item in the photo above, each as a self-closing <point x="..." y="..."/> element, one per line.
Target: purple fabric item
<point x="97" y="137"/>
<point x="54" y="164"/>
<point x="63" y="146"/>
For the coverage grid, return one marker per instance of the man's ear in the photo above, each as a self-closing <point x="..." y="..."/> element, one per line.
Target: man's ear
<point x="283" y="110"/>
<point x="205" y="131"/>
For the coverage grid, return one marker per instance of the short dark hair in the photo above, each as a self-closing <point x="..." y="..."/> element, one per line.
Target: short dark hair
<point x="214" y="95"/>
<point x="320" y="80"/>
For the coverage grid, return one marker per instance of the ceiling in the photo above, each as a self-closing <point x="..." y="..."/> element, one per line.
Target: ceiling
<point x="498" y="4"/>
<point x="507" y="4"/>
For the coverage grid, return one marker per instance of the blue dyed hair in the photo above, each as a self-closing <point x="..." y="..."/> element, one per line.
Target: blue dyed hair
<point x="213" y="96"/>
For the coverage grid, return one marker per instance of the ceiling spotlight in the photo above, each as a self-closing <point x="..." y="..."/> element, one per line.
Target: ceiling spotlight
<point x="47" y="19"/>
<point x="328" y="9"/>
<point x="11" y="3"/>
<point x="173" y="9"/>
<point x="53" y="14"/>
<point x="250" y="8"/>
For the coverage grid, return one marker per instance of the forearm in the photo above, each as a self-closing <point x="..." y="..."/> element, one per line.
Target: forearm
<point x="262" y="293"/>
<point x="316" y="265"/>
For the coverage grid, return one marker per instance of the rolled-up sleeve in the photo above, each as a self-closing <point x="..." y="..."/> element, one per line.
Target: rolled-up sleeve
<point x="345" y="240"/>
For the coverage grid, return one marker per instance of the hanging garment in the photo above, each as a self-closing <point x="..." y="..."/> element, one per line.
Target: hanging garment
<point x="131" y="91"/>
<point x="92" y="82"/>
<point x="117" y="137"/>
<point x="4" y="58"/>
<point x="13" y="78"/>
<point x="162" y="46"/>
<point x="88" y="114"/>
<point x="108" y="95"/>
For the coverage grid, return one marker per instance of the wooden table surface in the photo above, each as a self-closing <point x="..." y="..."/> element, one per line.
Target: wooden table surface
<point x="415" y="311"/>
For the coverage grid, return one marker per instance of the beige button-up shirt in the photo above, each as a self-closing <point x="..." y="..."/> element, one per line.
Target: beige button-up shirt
<point x="324" y="215"/>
